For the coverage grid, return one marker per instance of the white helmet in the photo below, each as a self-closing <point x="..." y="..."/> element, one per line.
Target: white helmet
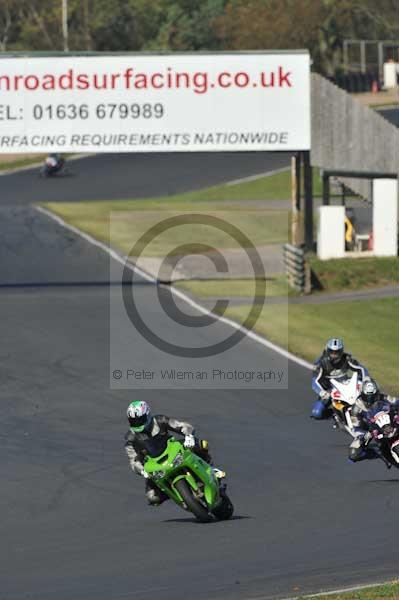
<point x="139" y="415"/>
<point x="335" y="350"/>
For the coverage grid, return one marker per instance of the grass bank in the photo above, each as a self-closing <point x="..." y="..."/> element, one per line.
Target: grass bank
<point x="356" y="273"/>
<point x="268" y="187"/>
<point x="9" y="162"/>
<point x="16" y="161"/>
<point x="237" y="204"/>
<point x="130" y="220"/>
<point x="370" y="329"/>
<point x="236" y="288"/>
<point x="389" y="591"/>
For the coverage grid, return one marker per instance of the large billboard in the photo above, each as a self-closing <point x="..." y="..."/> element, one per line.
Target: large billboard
<point x="155" y="103"/>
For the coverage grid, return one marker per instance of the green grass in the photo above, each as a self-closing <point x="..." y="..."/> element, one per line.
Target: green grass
<point x="385" y="104"/>
<point x="93" y="217"/>
<point x="270" y="187"/>
<point x="356" y="273"/>
<point x="390" y="591"/>
<point x="370" y="330"/>
<point x="24" y="161"/>
<point x="235" y="288"/>
<point x="129" y="223"/>
<point x="19" y="163"/>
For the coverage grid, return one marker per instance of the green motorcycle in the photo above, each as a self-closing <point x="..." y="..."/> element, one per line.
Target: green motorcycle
<point x="190" y="482"/>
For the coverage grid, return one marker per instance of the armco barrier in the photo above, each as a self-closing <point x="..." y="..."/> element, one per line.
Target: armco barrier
<point x="297" y="268"/>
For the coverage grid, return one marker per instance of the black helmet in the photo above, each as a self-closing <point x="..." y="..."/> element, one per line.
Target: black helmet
<point x="335" y="350"/>
<point x="369" y="392"/>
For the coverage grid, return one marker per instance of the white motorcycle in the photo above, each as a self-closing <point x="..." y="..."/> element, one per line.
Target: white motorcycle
<point x="345" y="390"/>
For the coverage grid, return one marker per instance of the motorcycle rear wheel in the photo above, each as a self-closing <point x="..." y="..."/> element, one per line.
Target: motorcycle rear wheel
<point x="195" y="507"/>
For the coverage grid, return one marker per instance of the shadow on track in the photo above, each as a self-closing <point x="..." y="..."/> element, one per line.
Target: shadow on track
<point x="384" y="480"/>
<point x="193" y="520"/>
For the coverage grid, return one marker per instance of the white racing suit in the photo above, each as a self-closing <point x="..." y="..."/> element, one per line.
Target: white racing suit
<point x="153" y="442"/>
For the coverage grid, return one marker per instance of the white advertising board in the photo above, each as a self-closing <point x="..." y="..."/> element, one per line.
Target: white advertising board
<point x="155" y="103"/>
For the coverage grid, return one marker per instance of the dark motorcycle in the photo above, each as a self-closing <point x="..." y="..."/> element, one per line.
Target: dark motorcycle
<point x="383" y="424"/>
<point x="53" y="166"/>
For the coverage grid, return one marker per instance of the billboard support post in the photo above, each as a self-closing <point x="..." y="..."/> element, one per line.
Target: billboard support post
<point x="298" y="180"/>
<point x="308" y="184"/>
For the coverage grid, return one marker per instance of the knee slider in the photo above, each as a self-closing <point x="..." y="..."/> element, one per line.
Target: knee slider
<point x="153" y="497"/>
<point x="357" y="454"/>
<point x="318" y="410"/>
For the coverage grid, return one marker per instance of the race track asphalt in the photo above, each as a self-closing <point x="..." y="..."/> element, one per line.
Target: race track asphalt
<point x="121" y="176"/>
<point x="74" y="522"/>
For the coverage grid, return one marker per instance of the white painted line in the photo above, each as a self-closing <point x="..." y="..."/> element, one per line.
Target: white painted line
<point x="123" y="260"/>
<point x="340" y="591"/>
<point x="258" y="176"/>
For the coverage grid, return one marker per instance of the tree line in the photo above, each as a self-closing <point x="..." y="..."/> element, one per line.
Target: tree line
<point x="192" y="25"/>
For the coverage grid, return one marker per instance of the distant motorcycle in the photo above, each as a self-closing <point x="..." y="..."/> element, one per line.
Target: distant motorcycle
<point x="383" y="423"/>
<point x="53" y="165"/>
<point x="345" y="389"/>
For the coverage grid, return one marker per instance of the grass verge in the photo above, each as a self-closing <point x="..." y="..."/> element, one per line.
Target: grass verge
<point x="131" y="219"/>
<point x="370" y="329"/>
<point x="235" y="288"/>
<point x="10" y="162"/>
<point x="269" y="187"/>
<point x="355" y="273"/>
<point x="390" y="591"/>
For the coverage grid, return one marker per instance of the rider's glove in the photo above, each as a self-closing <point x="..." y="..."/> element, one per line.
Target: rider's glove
<point x="189" y="441"/>
<point x="325" y="396"/>
<point x="144" y="474"/>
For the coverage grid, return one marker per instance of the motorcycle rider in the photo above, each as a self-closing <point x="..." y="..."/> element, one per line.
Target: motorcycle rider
<point x="370" y="395"/>
<point x="148" y="435"/>
<point x="54" y="162"/>
<point x="333" y="358"/>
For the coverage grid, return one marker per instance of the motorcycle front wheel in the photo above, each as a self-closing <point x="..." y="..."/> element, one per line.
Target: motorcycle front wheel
<point x="195" y="507"/>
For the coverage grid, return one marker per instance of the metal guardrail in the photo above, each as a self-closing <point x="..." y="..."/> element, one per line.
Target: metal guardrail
<point x="297" y="268"/>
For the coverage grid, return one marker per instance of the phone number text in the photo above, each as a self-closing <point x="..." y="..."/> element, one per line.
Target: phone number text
<point x="101" y="111"/>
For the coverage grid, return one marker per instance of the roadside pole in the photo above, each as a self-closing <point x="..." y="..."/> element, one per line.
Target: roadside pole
<point x="294" y="201"/>
<point x="308" y="183"/>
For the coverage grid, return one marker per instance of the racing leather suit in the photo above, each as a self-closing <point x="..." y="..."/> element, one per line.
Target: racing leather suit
<point x="358" y="449"/>
<point x="153" y="442"/>
<point x="323" y="368"/>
